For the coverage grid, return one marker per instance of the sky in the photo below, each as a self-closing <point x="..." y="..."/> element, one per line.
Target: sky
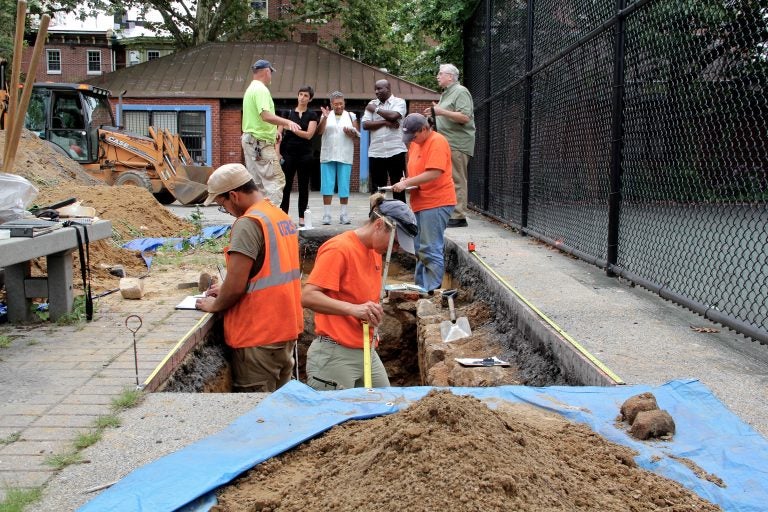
<point x="70" y="22"/>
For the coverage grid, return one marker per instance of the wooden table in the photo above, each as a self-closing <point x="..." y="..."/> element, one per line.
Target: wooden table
<point x="16" y="255"/>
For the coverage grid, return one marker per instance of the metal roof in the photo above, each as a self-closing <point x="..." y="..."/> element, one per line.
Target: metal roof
<point x="223" y="70"/>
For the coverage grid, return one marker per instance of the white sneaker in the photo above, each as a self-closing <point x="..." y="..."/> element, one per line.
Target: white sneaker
<point x="344" y="219"/>
<point x="326" y="220"/>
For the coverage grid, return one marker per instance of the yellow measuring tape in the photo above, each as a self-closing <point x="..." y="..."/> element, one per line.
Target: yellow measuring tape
<point x="367" y="380"/>
<point x="615" y="378"/>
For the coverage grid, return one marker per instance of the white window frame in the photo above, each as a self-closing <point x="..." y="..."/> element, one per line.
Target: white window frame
<point x="48" y="54"/>
<point x="153" y="51"/>
<point x="88" y="62"/>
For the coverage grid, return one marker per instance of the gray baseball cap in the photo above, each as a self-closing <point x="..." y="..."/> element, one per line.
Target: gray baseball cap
<point x="411" y="125"/>
<point x="405" y="221"/>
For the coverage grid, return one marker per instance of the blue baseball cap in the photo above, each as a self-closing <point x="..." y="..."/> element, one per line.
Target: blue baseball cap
<point x="262" y="64"/>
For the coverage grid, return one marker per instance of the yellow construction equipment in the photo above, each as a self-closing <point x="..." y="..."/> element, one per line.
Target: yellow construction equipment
<point x="77" y="120"/>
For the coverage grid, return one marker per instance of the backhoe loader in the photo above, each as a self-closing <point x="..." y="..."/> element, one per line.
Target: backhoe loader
<point x="77" y="120"/>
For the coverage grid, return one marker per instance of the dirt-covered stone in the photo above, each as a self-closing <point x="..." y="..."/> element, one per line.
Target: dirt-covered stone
<point x="636" y="404"/>
<point x="652" y="424"/>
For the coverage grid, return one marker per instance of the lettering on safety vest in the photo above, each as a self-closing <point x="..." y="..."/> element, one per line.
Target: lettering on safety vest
<point x="286" y="227"/>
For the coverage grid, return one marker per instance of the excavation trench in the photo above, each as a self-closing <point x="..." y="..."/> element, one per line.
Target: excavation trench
<point x="412" y="347"/>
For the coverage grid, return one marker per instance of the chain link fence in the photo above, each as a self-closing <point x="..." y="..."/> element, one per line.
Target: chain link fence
<point x="633" y="134"/>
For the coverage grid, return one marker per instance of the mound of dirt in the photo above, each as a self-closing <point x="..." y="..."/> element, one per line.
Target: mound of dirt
<point x="447" y="452"/>
<point x="43" y="166"/>
<point x="134" y="212"/>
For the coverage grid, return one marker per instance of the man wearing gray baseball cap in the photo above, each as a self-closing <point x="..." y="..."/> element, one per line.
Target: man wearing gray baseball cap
<point x="260" y="134"/>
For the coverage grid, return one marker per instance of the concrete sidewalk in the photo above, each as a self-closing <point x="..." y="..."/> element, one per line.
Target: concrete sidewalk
<point x="56" y="380"/>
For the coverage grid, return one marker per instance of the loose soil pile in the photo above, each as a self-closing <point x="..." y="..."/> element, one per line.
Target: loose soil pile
<point x="134" y="212"/>
<point x="447" y="452"/>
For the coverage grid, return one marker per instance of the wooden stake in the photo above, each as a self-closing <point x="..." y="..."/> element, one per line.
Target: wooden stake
<point x="13" y="86"/>
<point x="26" y="94"/>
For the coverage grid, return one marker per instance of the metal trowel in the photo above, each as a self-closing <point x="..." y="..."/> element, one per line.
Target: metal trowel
<point x="455" y="328"/>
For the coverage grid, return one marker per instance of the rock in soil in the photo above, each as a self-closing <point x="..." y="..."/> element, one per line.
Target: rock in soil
<point x="648" y="424"/>
<point x="637" y="403"/>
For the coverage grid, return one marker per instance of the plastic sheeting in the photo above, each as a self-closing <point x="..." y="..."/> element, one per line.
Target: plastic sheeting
<point x="707" y="433"/>
<point x="148" y="245"/>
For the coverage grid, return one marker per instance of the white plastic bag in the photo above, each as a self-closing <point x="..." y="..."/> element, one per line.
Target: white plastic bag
<point x="16" y="193"/>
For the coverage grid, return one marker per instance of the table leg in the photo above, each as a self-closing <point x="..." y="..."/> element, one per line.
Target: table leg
<point x="19" y="306"/>
<point x="59" y="284"/>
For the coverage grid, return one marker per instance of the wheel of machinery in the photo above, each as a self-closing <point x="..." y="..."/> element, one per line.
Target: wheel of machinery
<point x="134" y="178"/>
<point x="165" y="197"/>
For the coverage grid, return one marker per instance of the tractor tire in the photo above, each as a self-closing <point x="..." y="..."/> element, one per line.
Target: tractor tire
<point x="165" y="197"/>
<point x="133" y="178"/>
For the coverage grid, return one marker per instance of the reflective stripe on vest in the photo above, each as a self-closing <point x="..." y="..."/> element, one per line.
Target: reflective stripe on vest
<point x="275" y="277"/>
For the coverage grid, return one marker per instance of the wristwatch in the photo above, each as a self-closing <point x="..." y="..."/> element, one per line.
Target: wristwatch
<point x="377" y="110"/>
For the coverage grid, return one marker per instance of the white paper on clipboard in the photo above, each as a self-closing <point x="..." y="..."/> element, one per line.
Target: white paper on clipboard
<point x="189" y="301"/>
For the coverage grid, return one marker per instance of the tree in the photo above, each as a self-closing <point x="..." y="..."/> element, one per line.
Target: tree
<point x="408" y="39"/>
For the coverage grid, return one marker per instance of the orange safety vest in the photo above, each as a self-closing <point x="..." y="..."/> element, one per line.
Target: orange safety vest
<point x="270" y="311"/>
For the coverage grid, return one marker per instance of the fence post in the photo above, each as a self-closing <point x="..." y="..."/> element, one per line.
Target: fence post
<point x="488" y="91"/>
<point x="617" y="135"/>
<point x="525" y="178"/>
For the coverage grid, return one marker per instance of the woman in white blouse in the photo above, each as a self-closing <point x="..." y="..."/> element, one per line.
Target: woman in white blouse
<point x="340" y="130"/>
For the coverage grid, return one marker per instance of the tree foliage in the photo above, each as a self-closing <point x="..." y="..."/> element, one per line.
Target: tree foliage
<point x="409" y="38"/>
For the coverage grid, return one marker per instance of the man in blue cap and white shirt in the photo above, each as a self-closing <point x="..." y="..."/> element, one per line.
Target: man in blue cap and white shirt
<point x="260" y="133"/>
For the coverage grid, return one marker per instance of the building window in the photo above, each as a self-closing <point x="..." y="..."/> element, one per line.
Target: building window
<point x="189" y="124"/>
<point x="54" y="61"/>
<point x="258" y="10"/>
<point x="152" y="55"/>
<point x="94" y="62"/>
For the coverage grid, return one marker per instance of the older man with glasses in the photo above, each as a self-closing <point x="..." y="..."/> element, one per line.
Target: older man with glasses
<point x="455" y="119"/>
<point x="260" y="297"/>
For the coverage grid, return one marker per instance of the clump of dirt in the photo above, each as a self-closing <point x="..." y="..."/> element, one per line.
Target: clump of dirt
<point x="447" y="452"/>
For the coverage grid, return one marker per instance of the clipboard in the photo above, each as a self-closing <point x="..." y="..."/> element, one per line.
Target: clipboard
<point x="189" y="301"/>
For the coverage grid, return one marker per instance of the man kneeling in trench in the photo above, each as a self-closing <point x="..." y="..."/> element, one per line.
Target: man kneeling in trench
<point x="343" y="291"/>
<point x="261" y="293"/>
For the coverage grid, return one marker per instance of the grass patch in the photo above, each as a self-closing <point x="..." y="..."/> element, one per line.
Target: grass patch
<point x="16" y="499"/>
<point x="77" y="314"/>
<point x="5" y="341"/>
<point x="86" y="439"/>
<point x="10" y="438"/>
<point x="127" y="399"/>
<point x="107" y="421"/>
<point x="62" y="460"/>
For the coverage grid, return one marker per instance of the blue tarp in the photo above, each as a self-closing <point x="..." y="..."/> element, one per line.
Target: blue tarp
<point x="707" y="433"/>
<point x="148" y="245"/>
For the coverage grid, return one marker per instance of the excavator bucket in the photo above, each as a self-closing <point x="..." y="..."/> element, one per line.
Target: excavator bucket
<point x="185" y="181"/>
<point x="189" y="183"/>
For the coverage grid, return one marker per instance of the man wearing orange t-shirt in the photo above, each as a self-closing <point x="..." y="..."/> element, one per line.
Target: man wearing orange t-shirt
<point x="429" y="169"/>
<point x="343" y="291"/>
